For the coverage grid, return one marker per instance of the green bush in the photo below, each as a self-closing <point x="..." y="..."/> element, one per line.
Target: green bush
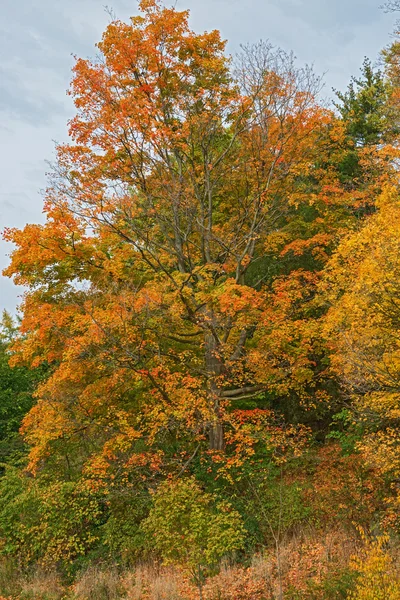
<point x="123" y="537"/>
<point x="47" y="522"/>
<point x="191" y="528"/>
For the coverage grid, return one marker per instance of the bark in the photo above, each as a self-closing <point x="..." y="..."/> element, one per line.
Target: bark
<point x="214" y="369"/>
<point x="216" y="436"/>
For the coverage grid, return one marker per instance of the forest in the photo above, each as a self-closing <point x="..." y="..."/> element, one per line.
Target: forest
<point x="200" y="393"/>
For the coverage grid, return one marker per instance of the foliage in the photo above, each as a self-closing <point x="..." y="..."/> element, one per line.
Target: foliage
<point x="49" y="524"/>
<point x="341" y="490"/>
<point x="363" y="106"/>
<point x="207" y="362"/>
<point x="363" y="319"/>
<point x="378" y="576"/>
<point x="144" y="285"/>
<point x="190" y="527"/>
<point x="16" y="389"/>
<point x="122" y="535"/>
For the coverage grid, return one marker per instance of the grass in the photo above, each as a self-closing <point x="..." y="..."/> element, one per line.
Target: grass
<point x="313" y="566"/>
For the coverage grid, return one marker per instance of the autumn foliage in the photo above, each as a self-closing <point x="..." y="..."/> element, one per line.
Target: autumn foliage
<point x="211" y="322"/>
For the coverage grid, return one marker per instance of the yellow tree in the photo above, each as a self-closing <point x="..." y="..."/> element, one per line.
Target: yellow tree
<point x="362" y="285"/>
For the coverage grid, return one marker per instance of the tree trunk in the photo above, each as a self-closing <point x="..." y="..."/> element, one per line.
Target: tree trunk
<point x="216" y="436"/>
<point x="214" y="369"/>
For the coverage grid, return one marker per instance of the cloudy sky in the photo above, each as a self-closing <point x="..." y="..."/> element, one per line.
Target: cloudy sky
<point x="38" y="37"/>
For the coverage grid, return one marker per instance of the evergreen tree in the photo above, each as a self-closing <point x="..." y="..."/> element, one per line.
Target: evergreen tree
<point x="363" y="105"/>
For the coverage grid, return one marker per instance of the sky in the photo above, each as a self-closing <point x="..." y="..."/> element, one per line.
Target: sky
<point x="39" y="37"/>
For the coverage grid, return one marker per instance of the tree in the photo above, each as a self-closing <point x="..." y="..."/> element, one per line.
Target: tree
<point x="378" y="576"/>
<point x="371" y="124"/>
<point x="362" y="106"/>
<point x="214" y="279"/>
<point x="392" y="5"/>
<point x="363" y="324"/>
<point x="142" y="292"/>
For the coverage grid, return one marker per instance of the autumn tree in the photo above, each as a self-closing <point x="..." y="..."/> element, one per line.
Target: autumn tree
<point x="142" y="292"/>
<point x="362" y="288"/>
<point x="360" y="280"/>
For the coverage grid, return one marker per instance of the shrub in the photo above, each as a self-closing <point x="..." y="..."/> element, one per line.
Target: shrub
<point x="46" y="522"/>
<point x="378" y="577"/>
<point x="189" y="527"/>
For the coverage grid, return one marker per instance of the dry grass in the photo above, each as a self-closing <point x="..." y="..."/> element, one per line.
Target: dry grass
<point x="305" y="558"/>
<point x="98" y="584"/>
<point x="42" y="585"/>
<point x="151" y="583"/>
<point x="9" y="579"/>
<point x="146" y="582"/>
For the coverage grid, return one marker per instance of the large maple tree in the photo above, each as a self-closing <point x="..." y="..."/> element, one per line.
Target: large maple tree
<point x="187" y="180"/>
